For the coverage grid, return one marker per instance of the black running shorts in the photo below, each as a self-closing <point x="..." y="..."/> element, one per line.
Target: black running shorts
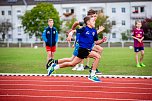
<point x="83" y="53"/>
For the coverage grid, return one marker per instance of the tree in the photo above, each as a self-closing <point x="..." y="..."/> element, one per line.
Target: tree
<point x="147" y="27"/>
<point x="5" y="27"/>
<point x="35" y="20"/>
<point x="102" y="20"/>
<point x="126" y="35"/>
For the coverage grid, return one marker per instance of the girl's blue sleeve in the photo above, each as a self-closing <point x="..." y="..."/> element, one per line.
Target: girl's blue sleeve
<point x="44" y="35"/>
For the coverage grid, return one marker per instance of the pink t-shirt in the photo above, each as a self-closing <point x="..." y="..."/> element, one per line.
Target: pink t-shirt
<point x="138" y="33"/>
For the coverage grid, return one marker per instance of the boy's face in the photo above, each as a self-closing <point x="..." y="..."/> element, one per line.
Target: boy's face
<point x="138" y="25"/>
<point x="94" y="16"/>
<point x="50" y="23"/>
<point x="91" y="22"/>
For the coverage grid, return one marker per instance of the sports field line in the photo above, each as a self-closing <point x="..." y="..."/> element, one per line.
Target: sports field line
<point x="76" y="75"/>
<point x="76" y="91"/>
<point x="63" y="97"/>
<point x="71" y="81"/>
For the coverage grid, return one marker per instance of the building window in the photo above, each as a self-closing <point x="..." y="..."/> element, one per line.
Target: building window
<point x="123" y="10"/>
<point x="142" y="9"/>
<point x="113" y="10"/>
<point x="135" y="10"/>
<point x="3" y="13"/>
<point x="113" y="22"/>
<point x="9" y="12"/>
<point x="19" y="29"/>
<point x="9" y="36"/>
<point x="123" y="22"/>
<point x="83" y="9"/>
<point x="19" y="40"/>
<point x="83" y="15"/>
<point x="113" y="35"/>
<point x="68" y="12"/>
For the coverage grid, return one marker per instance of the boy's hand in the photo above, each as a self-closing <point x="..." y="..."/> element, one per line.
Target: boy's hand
<point x="101" y="28"/>
<point x="104" y="39"/>
<point x="69" y="38"/>
<point x="139" y="40"/>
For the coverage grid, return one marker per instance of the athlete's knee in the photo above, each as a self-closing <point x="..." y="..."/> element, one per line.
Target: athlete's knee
<point x="72" y="64"/>
<point x="98" y="56"/>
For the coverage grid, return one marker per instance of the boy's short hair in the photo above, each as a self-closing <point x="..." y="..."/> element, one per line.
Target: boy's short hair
<point x="50" y="20"/>
<point x="91" y="12"/>
<point x="87" y="18"/>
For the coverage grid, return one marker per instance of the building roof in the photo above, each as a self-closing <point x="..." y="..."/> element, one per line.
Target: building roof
<point x="34" y="2"/>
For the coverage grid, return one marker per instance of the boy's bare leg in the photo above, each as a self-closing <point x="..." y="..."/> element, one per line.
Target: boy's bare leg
<point x="142" y="56"/>
<point x="75" y="61"/>
<point x="96" y="57"/>
<point x="136" y="57"/>
<point x="65" y="60"/>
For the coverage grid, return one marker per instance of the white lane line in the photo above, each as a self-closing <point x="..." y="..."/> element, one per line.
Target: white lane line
<point x="76" y="91"/>
<point x="70" y="97"/>
<point x="85" y="82"/>
<point x="76" y="75"/>
<point x="40" y="85"/>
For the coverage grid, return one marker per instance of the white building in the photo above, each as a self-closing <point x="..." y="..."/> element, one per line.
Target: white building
<point x="122" y="13"/>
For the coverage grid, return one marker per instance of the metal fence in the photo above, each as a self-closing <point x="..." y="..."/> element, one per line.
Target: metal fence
<point x="66" y="44"/>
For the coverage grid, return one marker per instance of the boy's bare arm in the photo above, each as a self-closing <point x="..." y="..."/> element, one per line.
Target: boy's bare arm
<point x="104" y="39"/>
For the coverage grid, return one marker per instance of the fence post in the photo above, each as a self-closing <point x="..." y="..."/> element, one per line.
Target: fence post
<point x="151" y="44"/>
<point x="8" y="44"/>
<point x="109" y="44"/>
<point x="19" y="44"/>
<point x="122" y="43"/>
<point x="31" y="45"/>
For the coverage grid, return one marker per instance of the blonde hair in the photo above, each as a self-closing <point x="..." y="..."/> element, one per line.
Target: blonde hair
<point x="50" y="20"/>
<point x="137" y="21"/>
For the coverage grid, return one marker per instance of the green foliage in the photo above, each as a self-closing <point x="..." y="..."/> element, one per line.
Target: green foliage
<point x="68" y="25"/>
<point x="35" y="20"/>
<point x="126" y="35"/>
<point x="102" y="20"/>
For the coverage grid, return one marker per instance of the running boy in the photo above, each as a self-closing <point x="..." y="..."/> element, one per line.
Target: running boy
<point x="138" y="36"/>
<point x="88" y="35"/>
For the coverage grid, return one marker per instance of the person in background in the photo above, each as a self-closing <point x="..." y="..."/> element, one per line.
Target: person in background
<point x="138" y="36"/>
<point x="50" y="36"/>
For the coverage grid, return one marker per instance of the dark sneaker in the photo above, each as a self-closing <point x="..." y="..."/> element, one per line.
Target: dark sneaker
<point x="51" y="69"/>
<point x="49" y="63"/>
<point x="94" y="78"/>
<point x="98" y="72"/>
<point x="86" y="67"/>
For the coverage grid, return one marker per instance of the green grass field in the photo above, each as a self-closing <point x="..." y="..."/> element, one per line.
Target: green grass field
<point x="115" y="61"/>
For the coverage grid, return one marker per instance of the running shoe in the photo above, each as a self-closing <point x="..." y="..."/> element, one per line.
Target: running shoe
<point x="142" y="65"/>
<point x="94" y="78"/>
<point x="81" y="68"/>
<point x="75" y="68"/>
<point x="49" y="63"/>
<point x="138" y="65"/>
<point x="98" y="72"/>
<point x="51" y="69"/>
<point x="86" y="67"/>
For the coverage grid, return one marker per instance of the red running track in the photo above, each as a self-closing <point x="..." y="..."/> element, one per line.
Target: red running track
<point x="43" y="88"/>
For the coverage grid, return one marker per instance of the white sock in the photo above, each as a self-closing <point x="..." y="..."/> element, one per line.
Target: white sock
<point x="93" y="72"/>
<point x="81" y="65"/>
<point x="56" y="67"/>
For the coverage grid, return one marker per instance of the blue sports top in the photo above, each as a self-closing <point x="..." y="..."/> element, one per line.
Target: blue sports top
<point x="87" y="37"/>
<point x="50" y="36"/>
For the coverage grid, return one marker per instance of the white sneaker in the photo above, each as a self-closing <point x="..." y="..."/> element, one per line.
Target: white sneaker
<point x="75" y="68"/>
<point x="81" y="68"/>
